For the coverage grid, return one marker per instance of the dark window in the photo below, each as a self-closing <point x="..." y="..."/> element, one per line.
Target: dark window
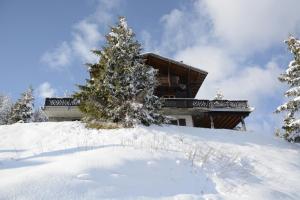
<point x="173" y="122"/>
<point x="182" y="122"/>
<point x="168" y="96"/>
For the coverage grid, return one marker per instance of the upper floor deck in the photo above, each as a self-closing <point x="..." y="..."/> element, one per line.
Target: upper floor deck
<point x="213" y="105"/>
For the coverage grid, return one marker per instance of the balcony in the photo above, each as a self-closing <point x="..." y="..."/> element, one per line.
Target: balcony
<point x="169" y="103"/>
<point x="61" y="102"/>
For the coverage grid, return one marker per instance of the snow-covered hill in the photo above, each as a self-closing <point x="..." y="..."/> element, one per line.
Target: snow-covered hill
<point x="66" y="161"/>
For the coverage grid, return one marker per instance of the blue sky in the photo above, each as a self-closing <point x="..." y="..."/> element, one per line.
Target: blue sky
<point x="240" y="43"/>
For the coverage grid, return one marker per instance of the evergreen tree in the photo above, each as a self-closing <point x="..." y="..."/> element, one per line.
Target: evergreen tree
<point x="219" y="95"/>
<point x="292" y="78"/>
<point x="5" y="109"/>
<point x="121" y="85"/>
<point x="39" y="116"/>
<point x="23" y="108"/>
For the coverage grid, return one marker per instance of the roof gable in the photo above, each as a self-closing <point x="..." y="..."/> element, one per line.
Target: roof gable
<point x="196" y="76"/>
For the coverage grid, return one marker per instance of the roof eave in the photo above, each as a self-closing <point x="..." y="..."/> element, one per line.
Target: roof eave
<point x="175" y="62"/>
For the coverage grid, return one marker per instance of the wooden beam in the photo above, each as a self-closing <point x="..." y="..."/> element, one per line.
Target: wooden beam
<point x="233" y="122"/>
<point x="211" y="121"/>
<point x="169" y="74"/>
<point x="189" y="89"/>
<point x="205" y="122"/>
<point x="225" y="122"/>
<point x="243" y="124"/>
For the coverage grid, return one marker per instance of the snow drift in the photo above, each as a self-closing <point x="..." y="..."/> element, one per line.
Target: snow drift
<point x="67" y="161"/>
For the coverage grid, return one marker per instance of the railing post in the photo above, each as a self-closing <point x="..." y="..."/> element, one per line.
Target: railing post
<point x="169" y="81"/>
<point x="243" y="124"/>
<point x="211" y="122"/>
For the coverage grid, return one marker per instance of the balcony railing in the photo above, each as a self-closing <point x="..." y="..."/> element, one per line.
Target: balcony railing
<point x="208" y="104"/>
<point x="61" y="102"/>
<point x="169" y="103"/>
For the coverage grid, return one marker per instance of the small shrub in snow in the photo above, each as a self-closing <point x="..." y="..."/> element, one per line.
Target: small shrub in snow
<point x="103" y="125"/>
<point x="39" y="116"/>
<point x="292" y="78"/>
<point x="22" y="110"/>
<point x="219" y="95"/>
<point x="5" y="109"/>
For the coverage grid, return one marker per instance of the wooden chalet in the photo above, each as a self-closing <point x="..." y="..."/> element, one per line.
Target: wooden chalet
<point x="178" y="86"/>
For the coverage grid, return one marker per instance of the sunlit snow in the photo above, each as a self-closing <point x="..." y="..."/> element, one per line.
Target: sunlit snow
<point x="66" y="161"/>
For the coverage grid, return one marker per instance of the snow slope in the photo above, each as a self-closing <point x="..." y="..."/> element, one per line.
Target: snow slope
<point x="67" y="161"/>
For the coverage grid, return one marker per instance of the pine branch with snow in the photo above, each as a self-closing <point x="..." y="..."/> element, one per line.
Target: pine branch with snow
<point x="292" y="78"/>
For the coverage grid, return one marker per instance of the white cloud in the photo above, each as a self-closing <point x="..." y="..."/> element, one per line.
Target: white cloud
<point x="86" y="36"/>
<point x="241" y="26"/>
<point x="104" y="11"/>
<point x="209" y="58"/>
<point x="254" y="83"/>
<point x="252" y="25"/>
<point x="171" y="22"/>
<point x="45" y="90"/>
<point x="59" y="57"/>
<point x="148" y="43"/>
<point x="181" y="29"/>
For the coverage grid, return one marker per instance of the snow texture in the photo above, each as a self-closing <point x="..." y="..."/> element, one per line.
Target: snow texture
<point x="51" y="160"/>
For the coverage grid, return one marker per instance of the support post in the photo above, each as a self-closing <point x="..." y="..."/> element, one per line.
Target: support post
<point x="243" y="124"/>
<point x="211" y="121"/>
<point x="188" y="88"/>
<point x="169" y="79"/>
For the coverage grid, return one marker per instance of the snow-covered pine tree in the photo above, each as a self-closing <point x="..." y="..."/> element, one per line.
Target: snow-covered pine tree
<point x="5" y="109"/>
<point x="292" y="78"/>
<point x="23" y="108"/>
<point x="121" y="85"/>
<point x="39" y="116"/>
<point x="219" y="95"/>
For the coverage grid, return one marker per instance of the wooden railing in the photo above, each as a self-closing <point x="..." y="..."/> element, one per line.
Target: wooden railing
<point x="170" y="103"/>
<point x="198" y="103"/>
<point x="61" y="102"/>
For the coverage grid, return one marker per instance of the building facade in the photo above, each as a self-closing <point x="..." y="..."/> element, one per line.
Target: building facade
<point x="178" y="85"/>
